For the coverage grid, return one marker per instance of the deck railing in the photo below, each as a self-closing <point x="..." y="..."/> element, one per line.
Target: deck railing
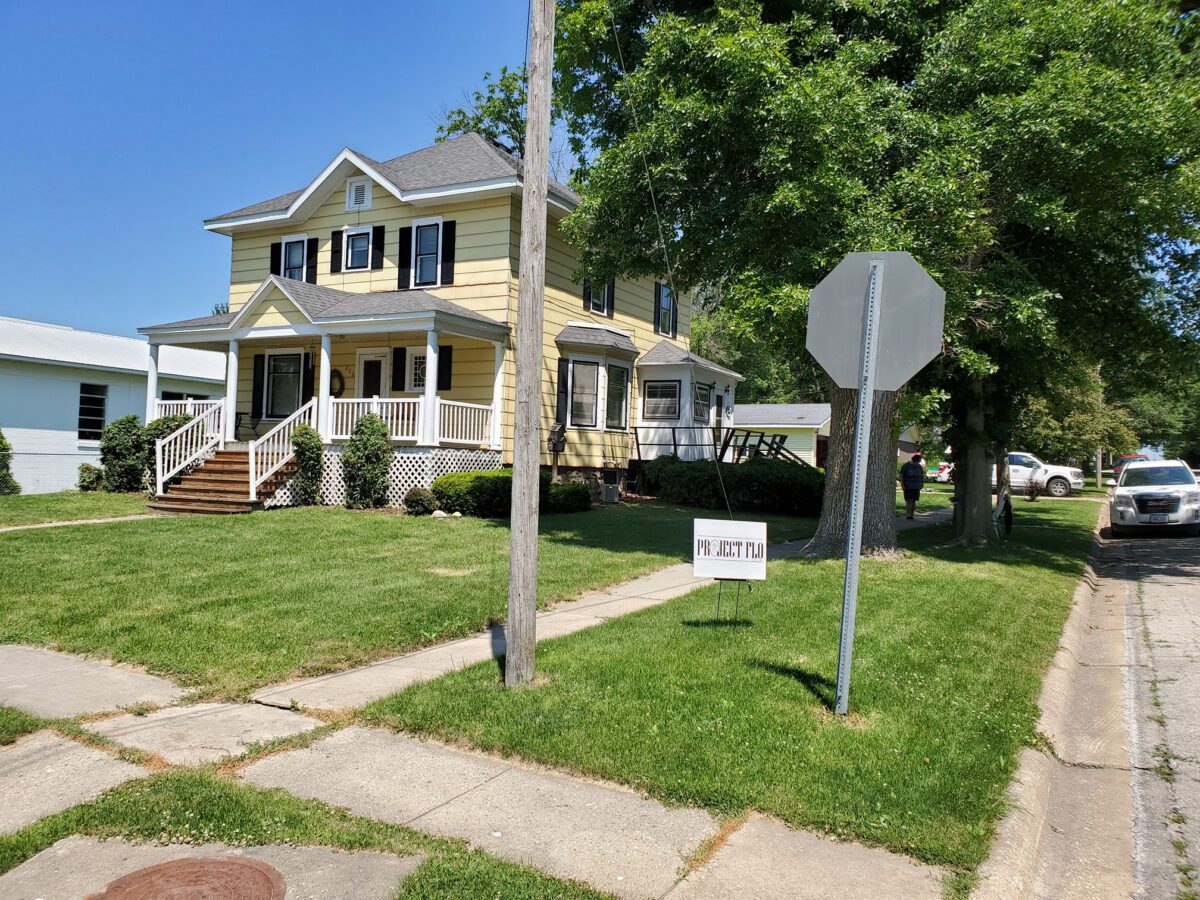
<point x="464" y="423"/>
<point x="183" y="407"/>
<point x="271" y="452"/>
<point x="188" y="444"/>
<point x="402" y="415"/>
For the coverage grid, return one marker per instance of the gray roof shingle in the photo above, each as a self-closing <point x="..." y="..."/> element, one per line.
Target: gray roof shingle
<point x="601" y="338"/>
<point x="667" y="354"/>
<point x="782" y="414"/>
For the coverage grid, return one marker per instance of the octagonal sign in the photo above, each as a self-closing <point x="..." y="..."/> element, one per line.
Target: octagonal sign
<point x="912" y="308"/>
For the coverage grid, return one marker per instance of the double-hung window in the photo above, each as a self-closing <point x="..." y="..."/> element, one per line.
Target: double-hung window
<point x="585" y="386"/>
<point x="282" y="395"/>
<point x="701" y="403"/>
<point x="93" y="404"/>
<point x="294" y="258"/>
<point x="358" y="249"/>
<point x="600" y="298"/>
<point x="425" y="253"/>
<point x="664" y="313"/>
<point x="617" y="397"/>
<point x="660" y="400"/>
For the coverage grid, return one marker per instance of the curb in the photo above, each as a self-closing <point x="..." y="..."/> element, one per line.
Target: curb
<point x="1011" y="868"/>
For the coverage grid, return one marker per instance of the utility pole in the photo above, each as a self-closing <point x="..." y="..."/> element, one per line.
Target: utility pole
<point x="520" y="634"/>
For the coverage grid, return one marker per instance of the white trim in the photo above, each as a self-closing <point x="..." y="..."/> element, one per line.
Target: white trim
<point x="437" y="263"/>
<point x="291" y="239"/>
<point x="351" y="184"/>
<point x="349" y="232"/>
<point x="266" y="398"/>
<point x="644" y="395"/>
<point x="385" y="383"/>
<point x="628" y="367"/>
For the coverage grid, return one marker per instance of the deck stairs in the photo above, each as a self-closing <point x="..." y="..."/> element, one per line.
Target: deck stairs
<point x="219" y="486"/>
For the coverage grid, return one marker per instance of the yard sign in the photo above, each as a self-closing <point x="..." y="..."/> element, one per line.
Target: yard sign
<point x="731" y="551"/>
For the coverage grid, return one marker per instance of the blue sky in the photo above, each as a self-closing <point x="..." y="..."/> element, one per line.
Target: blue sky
<point x="125" y="124"/>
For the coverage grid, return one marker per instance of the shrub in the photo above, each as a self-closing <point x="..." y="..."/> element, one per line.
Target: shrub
<point x="764" y="485"/>
<point x="485" y="494"/>
<point x="420" y="501"/>
<point x="570" y="497"/>
<point x="8" y="484"/>
<point x="310" y="462"/>
<point x="365" y="463"/>
<point x="91" y="478"/>
<point x="156" y="431"/>
<point x="123" y="454"/>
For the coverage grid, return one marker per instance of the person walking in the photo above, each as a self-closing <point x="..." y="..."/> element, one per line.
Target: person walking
<point x="912" y="478"/>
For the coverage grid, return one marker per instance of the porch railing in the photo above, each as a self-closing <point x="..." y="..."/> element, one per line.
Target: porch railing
<point x="401" y="414"/>
<point x="188" y="444"/>
<point x="464" y="423"/>
<point x="272" y="451"/>
<point x="184" y="407"/>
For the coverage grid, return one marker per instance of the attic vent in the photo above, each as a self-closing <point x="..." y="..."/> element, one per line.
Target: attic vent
<point x="358" y="194"/>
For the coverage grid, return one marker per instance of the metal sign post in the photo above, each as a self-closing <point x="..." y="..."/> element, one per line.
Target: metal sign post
<point x="858" y="480"/>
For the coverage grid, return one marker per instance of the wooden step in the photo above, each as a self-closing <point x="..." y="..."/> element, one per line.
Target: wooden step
<point x="220" y="486"/>
<point x="165" y="504"/>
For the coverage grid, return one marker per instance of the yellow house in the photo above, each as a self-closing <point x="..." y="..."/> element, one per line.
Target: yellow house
<point x="391" y="287"/>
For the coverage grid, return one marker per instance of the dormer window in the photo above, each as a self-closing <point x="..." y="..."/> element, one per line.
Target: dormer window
<point x="358" y="194"/>
<point x="358" y="249"/>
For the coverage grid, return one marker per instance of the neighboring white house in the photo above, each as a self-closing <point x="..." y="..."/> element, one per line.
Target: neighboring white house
<point x="806" y="426"/>
<point x="59" y="387"/>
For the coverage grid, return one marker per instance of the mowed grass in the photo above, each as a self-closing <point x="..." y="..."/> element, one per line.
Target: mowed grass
<point x="225" y="604"/>
<point x="196" y="808"/>
<point x="68" y="506"/>
<point x="950" y="648"/>
<point x="14" y="724"/>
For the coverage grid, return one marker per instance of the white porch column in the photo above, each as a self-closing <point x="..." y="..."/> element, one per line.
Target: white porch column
<point x="231" y="379"/>
<point x="323" y="408"/>
<point x="152" y="384"/>
<point x="497" y="439"/>
<point x="430" y="422"/>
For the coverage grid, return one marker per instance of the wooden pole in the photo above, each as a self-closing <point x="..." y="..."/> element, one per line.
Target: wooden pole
<point x="520" y="633"/>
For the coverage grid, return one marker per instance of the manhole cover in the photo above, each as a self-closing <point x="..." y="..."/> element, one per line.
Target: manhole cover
<point x="199" y="879"/>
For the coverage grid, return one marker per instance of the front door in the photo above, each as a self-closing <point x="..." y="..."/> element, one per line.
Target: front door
<point x="372" y="373"/>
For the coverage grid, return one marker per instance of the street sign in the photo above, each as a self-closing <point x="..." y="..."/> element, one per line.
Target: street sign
<point x="910" y="324"/>
<point x="729" y="550"/>
<point x="873" y="323"/>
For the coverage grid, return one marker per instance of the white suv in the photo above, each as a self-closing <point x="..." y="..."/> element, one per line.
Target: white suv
<point x="1155" y="493"/>
<point x="1057" y="481"/>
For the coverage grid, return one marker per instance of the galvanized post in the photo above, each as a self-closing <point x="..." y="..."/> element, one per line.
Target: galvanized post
<point x="858" y="496"/>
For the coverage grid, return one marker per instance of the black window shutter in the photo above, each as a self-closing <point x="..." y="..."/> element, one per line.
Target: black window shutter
<point x="657" y="307"/>
<point x="377" y="247"/>
<point x="259" y="390"/>
<point x="560" y="408"/>
<point x="587" y="296"/>
<point x="399" y="360"/>
<point x="310" y="261"/>
<point x="277" y="258"/>
<point x="404" y="260"/>
<point x="448" y="232"/>
<point x="610" y="302"/>
<point x="307" y="372"/>
<point x="445" y="364"/>
<point x="335" y="252"/>
<point x="674" y="314"/>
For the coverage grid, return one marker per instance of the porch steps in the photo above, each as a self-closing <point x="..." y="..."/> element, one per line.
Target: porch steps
<point x="221" y="486"/>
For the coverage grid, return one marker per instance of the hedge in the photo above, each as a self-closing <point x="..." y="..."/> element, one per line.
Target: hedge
<point x="571" y="497"/>
<point x="365" y="463"/>
<point x="8" y="484"/>
<point x="123" y="454"/>
<point x="760" y="485"/>
<point x="310" y="463"/>
<point x="484" y="494"/>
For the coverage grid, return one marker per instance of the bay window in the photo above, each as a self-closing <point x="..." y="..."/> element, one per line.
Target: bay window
<point x="617" y="397"/>
<point x="585" y="383"/>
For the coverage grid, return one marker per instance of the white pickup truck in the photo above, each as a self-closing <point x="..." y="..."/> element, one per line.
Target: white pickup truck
<point x="1057" y="481"/>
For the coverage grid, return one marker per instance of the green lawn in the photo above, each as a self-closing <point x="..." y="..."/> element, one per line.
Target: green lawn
<point x="193" y="807"/>
<point x="951" y="646"/>
<point x="226" y="604"/>
<point x="67" y="506"/>
<point x="15" y="724"/>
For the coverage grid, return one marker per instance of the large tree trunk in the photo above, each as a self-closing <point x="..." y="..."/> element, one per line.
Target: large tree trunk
<point x="879" y="513"/>
<point x="974" y="519"/>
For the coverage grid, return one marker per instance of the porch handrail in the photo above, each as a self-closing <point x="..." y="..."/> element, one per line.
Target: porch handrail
<point x="183" y="407"/>
<point x="188" y="444"/>
<point x="401" y="414"/>
<point x="464" y="423"/>
<point x="269" y="453"/>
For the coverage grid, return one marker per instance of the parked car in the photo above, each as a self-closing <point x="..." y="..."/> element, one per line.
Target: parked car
<point x="1057" y="481"/>
<point x="1155" y="494"/>
<point x="1123" y="461"/>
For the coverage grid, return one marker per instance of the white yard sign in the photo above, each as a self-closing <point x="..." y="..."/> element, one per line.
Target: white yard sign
<point x="729" y="550"/>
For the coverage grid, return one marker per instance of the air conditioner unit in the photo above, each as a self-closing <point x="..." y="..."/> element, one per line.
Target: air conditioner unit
<point x="610" y="493"/>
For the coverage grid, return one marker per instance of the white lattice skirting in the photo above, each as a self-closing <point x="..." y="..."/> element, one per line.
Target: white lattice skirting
<point x="411" y="467"/>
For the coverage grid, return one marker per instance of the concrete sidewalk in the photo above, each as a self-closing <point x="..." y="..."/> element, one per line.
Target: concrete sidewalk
<point x="133" y="518"/>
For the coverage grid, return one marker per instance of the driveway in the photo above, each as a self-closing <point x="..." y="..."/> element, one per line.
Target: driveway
<point x="1162" y="583"/>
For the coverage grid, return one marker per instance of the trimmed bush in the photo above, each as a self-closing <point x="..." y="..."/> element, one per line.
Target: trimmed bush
<point x="571" y="497"/>
<point x="310" y="463"/>
<point x="156" y="431"/>
<point x="8" y="484"/>
<point x="765" y="485"/>
<point x="484" y="494"/>
<point x="123" y="455"/>
<point x="365" y="463"/>
<point x="91" y="478"/>
<point x="419" y="501"/>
